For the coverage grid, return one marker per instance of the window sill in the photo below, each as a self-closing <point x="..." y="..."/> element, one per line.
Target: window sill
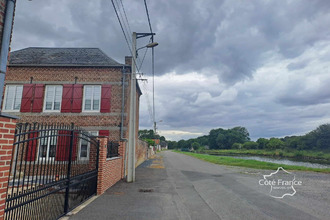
<point x="9" y="110"/>
<point x="113" y="158"/>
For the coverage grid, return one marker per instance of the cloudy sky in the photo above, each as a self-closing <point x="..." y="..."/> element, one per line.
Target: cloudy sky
<point x="261" y="64"/>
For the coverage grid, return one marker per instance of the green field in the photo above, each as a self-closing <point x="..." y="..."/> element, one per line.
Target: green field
<point x="249" y="163"/>
<point x="309" y="155"/>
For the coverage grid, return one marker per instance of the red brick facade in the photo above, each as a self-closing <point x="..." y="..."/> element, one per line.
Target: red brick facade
<point x="94" y="121"/>
<point x="108" y="121"/>
<point x="7" y="131"/>
<point x="111" y="170"/>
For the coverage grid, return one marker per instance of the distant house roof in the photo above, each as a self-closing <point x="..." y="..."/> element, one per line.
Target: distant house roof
<point x="43" y="56"/>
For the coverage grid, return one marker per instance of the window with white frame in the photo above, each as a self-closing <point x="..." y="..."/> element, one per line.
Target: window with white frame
<point x="53" y="98"/>
<point x="85" y="145"/>
<point x="47" y="145"/>
<point x="92" y="97"/>
<point x="13" y="97"/>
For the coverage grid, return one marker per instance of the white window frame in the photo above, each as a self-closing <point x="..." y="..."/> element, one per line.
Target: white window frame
<point x="45" y="98"/>
<point x="5" y="99"/>
<point x="48" y="139"/>
<point x="98" y="110"/>
<point x="88" y="147"/>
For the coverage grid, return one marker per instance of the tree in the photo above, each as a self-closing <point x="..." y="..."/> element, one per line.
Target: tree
<point x="236" y="146"/>
<point x="172" y="144"/>
<point x="212" y="138"/>
<point x="150" y="142"/>
<point x="195" y="145"/>
<point x="250" y="145"/>
<point x="243" y="133"/>
<point x="320" y="137"/>
<point x="275" y="143"/>
<point x="182" y="144"/>
<point x="146" y="134"/>
<point x="262" y="142"/>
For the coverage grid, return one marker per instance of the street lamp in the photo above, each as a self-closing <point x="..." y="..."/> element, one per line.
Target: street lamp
<point x="155" y="126"/>
<point x="150" y="45"/>
<point x="132" y="107"/>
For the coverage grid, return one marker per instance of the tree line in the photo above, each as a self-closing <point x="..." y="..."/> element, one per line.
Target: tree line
<point x="238" y="138"/>
<point x="149" y="136"/>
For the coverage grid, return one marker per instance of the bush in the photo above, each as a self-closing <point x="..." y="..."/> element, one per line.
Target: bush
<point x="298" y="154"/>
<point x="236" y="146"/>
<point x="250" y="145"/>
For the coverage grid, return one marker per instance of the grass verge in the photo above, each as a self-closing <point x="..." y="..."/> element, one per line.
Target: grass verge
<point x="313" y="155"/>
<point x="250" y="163"/>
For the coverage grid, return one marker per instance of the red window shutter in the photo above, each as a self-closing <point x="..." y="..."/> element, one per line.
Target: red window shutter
<point x="104" y="133"/>
<point x="105" y="98"/>
<point x="67" y="98"/>
<point x="77" y="98"/>
<point x="27" y="97"/>
<point x="31" y="146"/>
<point x="38" y="98"/>
<point x="63" y="146"/>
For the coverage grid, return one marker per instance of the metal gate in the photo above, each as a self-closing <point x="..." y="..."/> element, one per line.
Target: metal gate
<point x="53" y="170"/>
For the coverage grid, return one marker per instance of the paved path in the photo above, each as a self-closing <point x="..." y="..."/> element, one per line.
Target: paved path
<point x="176" y="186"/>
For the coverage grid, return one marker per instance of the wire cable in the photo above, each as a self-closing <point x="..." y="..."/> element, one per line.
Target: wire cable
<point x="129" y="27"/>
<point x="145" y="4"/>
<point x="121" y="25"/>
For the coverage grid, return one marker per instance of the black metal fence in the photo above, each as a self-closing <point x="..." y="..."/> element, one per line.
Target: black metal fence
<point x="112" y="149"/>
<point x="53" y="170"/>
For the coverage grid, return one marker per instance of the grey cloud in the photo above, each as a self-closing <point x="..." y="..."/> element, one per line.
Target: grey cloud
<point x="297" y="65"/>
<point x="226" y="41"/>
<point x="300" y="94"/>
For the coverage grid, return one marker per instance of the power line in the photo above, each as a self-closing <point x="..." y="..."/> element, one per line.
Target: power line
<point x="126" y="28"/>
<point x="148" y="101"/>
<point x="153" y="67"/>
<point x="129" y="27"/>
<point x="121" y="25"/>
<point x="144" y="55"/>
<point x="126" y="24"/>
<point x="145" y="4"/>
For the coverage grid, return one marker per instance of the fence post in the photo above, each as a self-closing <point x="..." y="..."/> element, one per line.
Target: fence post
<point x="101" y="164"/>
<point x="7" y="131"/>
<point x="67" y="190"/>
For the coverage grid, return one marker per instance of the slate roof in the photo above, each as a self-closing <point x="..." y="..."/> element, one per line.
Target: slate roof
<point x="43" y="56"/>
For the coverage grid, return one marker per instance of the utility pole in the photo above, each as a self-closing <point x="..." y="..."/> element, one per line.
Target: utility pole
<point x="6" y="35"/>
<point x="132" y="117"/>
<point x="132" y="107"/>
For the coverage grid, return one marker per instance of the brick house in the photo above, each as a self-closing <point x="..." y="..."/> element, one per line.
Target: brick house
<point x="70" y="85"/>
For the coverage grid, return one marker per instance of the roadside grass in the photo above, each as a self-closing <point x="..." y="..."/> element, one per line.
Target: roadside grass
<point x="317" y="155"/>
<point x="230" y="161"/>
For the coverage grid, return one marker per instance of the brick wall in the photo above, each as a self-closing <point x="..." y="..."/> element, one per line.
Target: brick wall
<point x="110" y="169"/>
<point x="7" y="131"/>
<point x="142" y="152"/>
<point x="81" y="75"/>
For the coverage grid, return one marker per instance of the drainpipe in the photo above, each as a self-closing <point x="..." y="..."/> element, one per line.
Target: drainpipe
<point x="123" y="105"/>
<point x="122" y="117"/>
<point x="7" y="28"/>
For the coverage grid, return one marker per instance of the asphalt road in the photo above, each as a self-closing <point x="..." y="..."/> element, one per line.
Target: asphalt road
<point x="176" y="186"/>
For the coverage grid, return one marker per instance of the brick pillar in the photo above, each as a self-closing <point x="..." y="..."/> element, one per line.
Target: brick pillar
<point x="7" y="131"/>
<point x="102" y="161"/>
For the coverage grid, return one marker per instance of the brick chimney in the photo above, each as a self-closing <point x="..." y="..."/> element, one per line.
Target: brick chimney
<point x="128" y="60"/>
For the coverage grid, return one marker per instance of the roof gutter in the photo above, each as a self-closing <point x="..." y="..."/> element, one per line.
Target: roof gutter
<point x="65" y="65"/>
<point x="6" y="34"/>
